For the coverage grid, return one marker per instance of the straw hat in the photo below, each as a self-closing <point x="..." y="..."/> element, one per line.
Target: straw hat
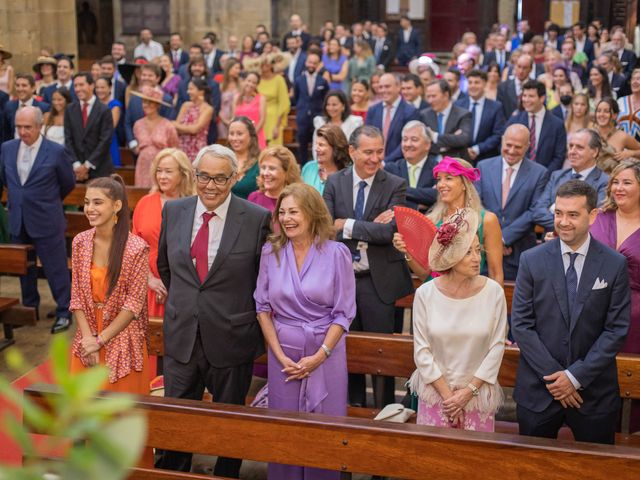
<point x="279" y="60"/>
<point x="5" y="54"/>
<point x="42" y="60"/>
<point x="453" y="239"/>
<point x="152" y="94"/>
<point x="425" y="60"/>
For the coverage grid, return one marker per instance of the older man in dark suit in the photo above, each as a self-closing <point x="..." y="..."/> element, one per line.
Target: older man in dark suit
<point x="570" y="317"/>
<point x="509" y="92"/>
<point x="208" y="259"/>
<point x="360" y="199"/>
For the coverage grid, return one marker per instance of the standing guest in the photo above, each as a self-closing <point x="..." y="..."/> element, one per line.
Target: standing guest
<point x="293" y="263"/>
<point x="390" y="116"/>
<point x="228" y="90"/>
<point x="360" y="200"/>
<point x="202" y="349"/>
<point x="547" y="137"/>
<point x="336" y="110"/>
<point x="566" y="97"/>
<point x="45" y="69"/>
<point x="623" y="144"/>
<point x="38" y="175"/>
<point x="250" y="104"/>
<point x="95" y="71"/>
<point x="453" y="76"/>
<point x="298" y="59"/>
<point x="360" y="93"/>
<point x="148" y="47"/>
<point x="131" y="74"/>
<point x="192" y="124"/>
<point x="309" y="95"/>
<point x="629" y="116"/>
<point x="153" y="133"/>
<point x="553" y="37"/>
<point x="336" y="64"/>
<point x="375" y="97"/>
<point x="510" y="91"/>
<point x="297" y="30"/>
<point x="626" y="57"/>
<point x="195" y="51"/>
<point x="64" y="75"/>
<point x="413" y="91"/>
<point x="25" y="86"/>
<point x="458" y="390"/>
<point x="88" y="131"/>
<point x="570" y="317"/>
<point x="509" y="186"/>
<point x="6" y="71"/>
<point x="278" y="169"/>
<point x="560" y="77"/>
<point x="103" y="93"/>
<point x="616" y="80"/>
<point x="243" y="140"/>
<point x="450" y="126"/>
<point x="247" y="48"/>
<point x="171" y="81"/>
<point x="361" y="65"/>
<point x="232" y="47"/>
<point x="332" y="155"/>
<point x="408" y="42"/>
<point x="212" y="54"/>
<point x="176" y="54"/>
<point x="493" y="80"/>
<point x="118" y="87"/>
<point x="383" y="47"/>
<point x="498" y="55"/>
<point x="172" y="176"/>
<point x="598" y="86"/>
<point x="53" y="126"/>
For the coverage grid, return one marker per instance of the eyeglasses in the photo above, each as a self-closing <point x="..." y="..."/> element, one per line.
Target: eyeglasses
<point x="219" y="180"/>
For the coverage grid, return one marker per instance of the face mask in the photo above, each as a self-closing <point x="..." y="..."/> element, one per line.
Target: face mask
<point x="566" y="100"/>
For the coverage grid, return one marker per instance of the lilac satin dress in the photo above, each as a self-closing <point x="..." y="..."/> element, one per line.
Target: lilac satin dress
<point x="304" y="305"/>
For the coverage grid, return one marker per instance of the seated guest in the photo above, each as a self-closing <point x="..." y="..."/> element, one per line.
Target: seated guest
<point x="108" y="70"/>
<point x="487" y="118"/>
<point x="510" y="91"/>
<point x="458" y="359"/>
<point x="194" y="119"/>
<point x="243" y="141"/>
<point x="417" y="166"/>
<point x="624" y="145"/>
<point x="360" y="93"/>
<point x="278" y="168"/>
<point x="450" y="125"/>
<point x="64" y="75"/>
<point x="493" y="80"/>
<point x="578" y="117"/>
<point x="390" y="116"/>
<point x="172" y="177"/>
<point x="251" y="104"/>
<point x="629" y="116"/>
<point x="297" y="258"/>
<point x="103" y="93"/>
<point x="25" y="86"/>
<point x="547" y="137"/>
<point x="332" y="153"/>
<point x="336" y="111"/>
<point x="584" y="148"/>
<point x="152" y="133"/>
<point x="53" y="127"/>
<point x="195" y="50"/>
<point x="509" y="186"/>
<point x="570" y="317"/>
<point x="413" y="91"/>
<point x="627" y="57"/>
<point x="598" y="86"/>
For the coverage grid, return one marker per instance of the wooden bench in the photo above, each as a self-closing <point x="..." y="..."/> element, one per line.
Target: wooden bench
<point x="128" y="174"/>
<point x="361" y="445"/>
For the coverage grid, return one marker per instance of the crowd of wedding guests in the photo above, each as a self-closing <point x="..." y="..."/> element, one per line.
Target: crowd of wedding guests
<point x="258" y="244"/>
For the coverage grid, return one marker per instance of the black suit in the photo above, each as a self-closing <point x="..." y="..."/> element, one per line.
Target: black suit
<point x="490" y="58"/>
<point x="388" y="277"/>
<point x="449" y="142"/>
<point x="304" y="36"/>
<point x="508" y="97"/>
<point x="386" y="55"/>
<point x="91" y="143"/>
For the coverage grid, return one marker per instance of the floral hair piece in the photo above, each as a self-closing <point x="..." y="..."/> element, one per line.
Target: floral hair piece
<point x="454" y="167"/>
<point x="453" y="239"/>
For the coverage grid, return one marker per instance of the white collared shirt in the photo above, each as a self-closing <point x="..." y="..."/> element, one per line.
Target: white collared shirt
<point x="347" y="231"/>
<point x="68" y="85"/>
<point x="292" y="66"/>
<point x="539" y="115"/>
<point x="416" y="103"/>
<point x="584" y="173"/>
<point x="33" y="150"/>
<point x="580" y="44"/>
<point x="406" y="34"/>
<point x="516" y="169"/>
<point x="476" y="125"/>
<point x="216" y="226"/>
<point x="210" y="58"/>
<point x="150" y="51"/>
<point x="91" y="103"/>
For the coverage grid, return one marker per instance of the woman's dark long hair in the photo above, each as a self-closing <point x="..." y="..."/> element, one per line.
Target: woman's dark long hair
<point x="203" y="86"/>
<point x="64" y="92"/>
<point x="605" y="88"/>
<point x="114" y="189"/>
<point x="342" y="98"/>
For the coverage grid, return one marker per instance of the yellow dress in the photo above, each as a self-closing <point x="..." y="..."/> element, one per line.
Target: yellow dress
<point x="277" y="95"/>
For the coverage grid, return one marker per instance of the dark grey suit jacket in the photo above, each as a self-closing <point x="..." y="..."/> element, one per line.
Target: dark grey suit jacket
<point x="222" y="307"/>
<point x="450" y="143"/>
<point x="389" y="271"/>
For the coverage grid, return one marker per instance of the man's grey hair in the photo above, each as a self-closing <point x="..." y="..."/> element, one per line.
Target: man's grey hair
<point x="35" y="112"/>
<point x="366" y="130"/>
<point x="417" y="124"/>
<point x="595" y="142"/>
<point x="219" y="151"/>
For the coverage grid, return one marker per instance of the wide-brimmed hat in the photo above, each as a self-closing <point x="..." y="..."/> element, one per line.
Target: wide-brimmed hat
<point x="153" y="94"/>
<point x="42" y="60"/>
<point x="425" y="60"/>
<point x="279" y="60"/>
<point x="5" y="54"/>
<point x="453" y="239"/>
<point x="126" y="69"/>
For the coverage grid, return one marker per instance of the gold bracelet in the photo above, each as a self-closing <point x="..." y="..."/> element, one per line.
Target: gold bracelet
<point x="474" y="390"/>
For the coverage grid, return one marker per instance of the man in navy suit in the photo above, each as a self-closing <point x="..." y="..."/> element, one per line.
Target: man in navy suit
<point x="4" y="99"/>
<point x="416" y="167"/>
<point x="390" y="115"/>
<point x="566" y="95"/>
<point x="413" y="91"/>
<point x="616" y="80"/>
<point x="499" y="54"/>
<point x="298" y="58"/>
<point x="509" y="186"/>
<point x="195" y="51"/>
<point x="583" y="44"/>
<point x="309" y="91"/>
<point x="509" y="92"/>
<point x="453" y="76"/>
<point x="570" y="316"/>
<point x="38" y="175"/>
<point x="295" y="22"/>
<point x="382" y="46"/>
<point x="584" y="147"/>
<point x="178" y="56"/>
<point x="487" y="118"/>
<point x="548" y="141"/>
<point x="64" y="75"/>
<point x="212" y="54"/>
<point x="627" y="58"/>
<point x="408" y="44"/>
<point x="25" y="86"/>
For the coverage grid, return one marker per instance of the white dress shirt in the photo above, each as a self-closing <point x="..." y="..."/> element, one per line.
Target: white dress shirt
<point x="216" y="226"/>
<point x="91" y="103"/>
<point x="476" y="124"/>
<point x="292" y="66"/>
<point x="33" y="153"/>
<point x="406" y="34"/>
<point x="539" y="119"/>
<point x="516" y="169"/>
<point x="583" y="173"/>
<point x="347" y="231"/>
<point x="148" y="51"/>
<point x="580" y="44"/>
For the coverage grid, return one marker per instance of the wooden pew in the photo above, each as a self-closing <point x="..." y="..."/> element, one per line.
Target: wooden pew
<point x="127" y="173"/>
<point x="364" y="446"/>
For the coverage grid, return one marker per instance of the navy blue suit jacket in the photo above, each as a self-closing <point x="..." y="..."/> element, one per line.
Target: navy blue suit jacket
<point x="9" y="122"/>
<point x="541" y="213"/>
<point x="404" y="114"/>
<point x="516" y="218"/>
<point x="48" y="91"/>
<point x="425" y="192"/>
<point x="134" y="113"/>
<point x="307" y="107"/>
<point x="4" y="99"/>
<point x="184" y="59"/>
<point x="552" y="145"/>
<point x="405" y="51"/>
<point x="38" y="203"/>
<point x="585" y="342"/>
<point x="490" y="129"/>
<point x="216" y="102"/>
<point x="557" y="111"/>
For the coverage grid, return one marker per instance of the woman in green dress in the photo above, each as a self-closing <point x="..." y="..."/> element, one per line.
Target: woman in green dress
<point x="243" y="140"/>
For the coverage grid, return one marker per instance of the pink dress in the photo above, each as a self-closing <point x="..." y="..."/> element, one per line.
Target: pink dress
<point x="251" y="110"/>
<point x="150" y="141"/>
<point x="226" y="108"/>
<point x="192" y="144"/>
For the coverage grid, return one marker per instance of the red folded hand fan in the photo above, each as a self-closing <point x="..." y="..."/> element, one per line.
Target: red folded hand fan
<point x="417" y="231"/>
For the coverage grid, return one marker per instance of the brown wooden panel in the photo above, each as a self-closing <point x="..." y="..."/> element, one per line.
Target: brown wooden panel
<point x="14" y="258"/>
<point x="76" y="196"/>
<point x="126" y="157"/>
<point x="127" y="173"/>
<point x="76" y="223"/>
<point x="18" y="314"/>
<point x="159" y="474"/>
<point x="509" y="287"/>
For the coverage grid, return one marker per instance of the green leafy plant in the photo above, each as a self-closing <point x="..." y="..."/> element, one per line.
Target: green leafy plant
<point x="101" y="437"/>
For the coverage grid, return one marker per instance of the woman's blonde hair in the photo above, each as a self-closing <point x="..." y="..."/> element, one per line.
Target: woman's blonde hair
<point x="629" y="163"/>
<point x="585" y="120"/>
<point x="471" y="198"/>
<point x="187" y="187"/>
<point x="312" y="207"/>
<point x="287" y="161"/>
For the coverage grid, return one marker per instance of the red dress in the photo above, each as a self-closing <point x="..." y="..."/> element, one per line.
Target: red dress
<point x="192" y="144"/>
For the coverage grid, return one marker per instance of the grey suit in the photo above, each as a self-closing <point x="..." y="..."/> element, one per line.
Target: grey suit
<point x="211" y="333"/>
<point x="449" y="142"/>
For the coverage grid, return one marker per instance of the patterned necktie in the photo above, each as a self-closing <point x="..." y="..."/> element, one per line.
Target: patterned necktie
<point x="200" y="247"/>
<point x="440" y="123"/>
<point x="576" y="176"/>
<point x="506" y="186"/>
<point x="413" y="177"/>
<point x="387" y="121"/>
<point x="358" y="211"/>
<point x="571" y="279"/>
<point x="532" y="139"/>
<point x="85" y="114"/>
<point x="24" y="166"/>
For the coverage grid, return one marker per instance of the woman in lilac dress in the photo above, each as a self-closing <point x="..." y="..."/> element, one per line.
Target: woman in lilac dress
<point x="278" y="168"/>
<point x="618" y="226"/>
<point x="304" y="325"/>
<point x="336" y="64"/>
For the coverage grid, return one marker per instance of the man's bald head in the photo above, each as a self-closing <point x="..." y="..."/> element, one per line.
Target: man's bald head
<point x="28" y="124"/>
<point x="523" y="67"/>
<point x="515" y="143"/>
